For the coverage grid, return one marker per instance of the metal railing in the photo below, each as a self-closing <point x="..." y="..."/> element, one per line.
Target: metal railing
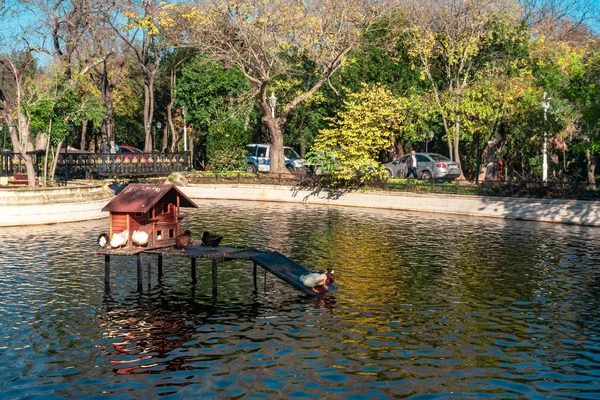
<point x="77" y="166"/>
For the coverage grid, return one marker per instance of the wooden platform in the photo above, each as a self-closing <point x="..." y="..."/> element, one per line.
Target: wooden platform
<point x="274" y="262"/>
<point x="284" y="268"/>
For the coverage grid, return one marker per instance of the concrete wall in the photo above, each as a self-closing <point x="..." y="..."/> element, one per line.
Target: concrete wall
<point x="70" y="204"/>
<point x="49" y="206"/>
<point x="559" y="211"/>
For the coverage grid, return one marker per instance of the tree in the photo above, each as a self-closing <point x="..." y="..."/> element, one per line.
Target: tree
<point x="369" y="124"/>
<point x="211" y="94"/>
<point x="445" y="37"/>
<point x="15" y="112"/>
<point x="110" y="55"/>
<point x="142" y="35"/>
<point x="489" y="106"/>
<point x="267" y="40"/>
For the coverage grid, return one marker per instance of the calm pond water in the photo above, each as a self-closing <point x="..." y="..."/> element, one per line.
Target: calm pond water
<point x="426" y="306"/>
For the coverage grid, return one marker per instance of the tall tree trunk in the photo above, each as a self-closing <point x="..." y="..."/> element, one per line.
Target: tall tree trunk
<point x="108" y="103"/>
<point x="456" y="156"/>
<point x="592" y="159"/>
<point x="276" y="151"/>
<point x="174" y="138"/>
<point x="165" y="138"/>
<point x="84" y="126"/>
<point x="21" y="143"/>
<point x="31" y="175"/>
<point x="148" y="110"/>
<point x="191" y="143"/>
<point x="47" y="152"/>
<point x="55" y="161"/>
<point x="493" y="151"/>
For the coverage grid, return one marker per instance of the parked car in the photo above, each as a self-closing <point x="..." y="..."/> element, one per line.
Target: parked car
<point x="429" y="165"/>
<point x="128" y="150"/>
<point x="258" y="158"/>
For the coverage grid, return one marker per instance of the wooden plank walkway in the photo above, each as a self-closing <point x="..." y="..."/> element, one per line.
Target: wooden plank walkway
<point x="284" y="268"/>
<point x="274" y="262"/>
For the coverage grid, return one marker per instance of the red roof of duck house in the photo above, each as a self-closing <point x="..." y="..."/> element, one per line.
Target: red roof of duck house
<point x="142" y="197"/>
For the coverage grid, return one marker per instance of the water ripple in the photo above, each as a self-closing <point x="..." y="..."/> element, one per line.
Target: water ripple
<point x="425" y="306"/>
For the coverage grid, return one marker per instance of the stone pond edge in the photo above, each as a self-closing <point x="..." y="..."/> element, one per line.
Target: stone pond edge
<point x="84" y="202"/>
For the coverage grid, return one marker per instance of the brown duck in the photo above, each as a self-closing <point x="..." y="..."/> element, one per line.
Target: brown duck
<point x="183" y="240"/>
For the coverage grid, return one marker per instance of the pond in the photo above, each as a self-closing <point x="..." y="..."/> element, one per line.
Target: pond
<point x="425" y="306"/>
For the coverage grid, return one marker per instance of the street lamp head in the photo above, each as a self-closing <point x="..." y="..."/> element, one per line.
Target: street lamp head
<point x="272" y="100"/>
<point x="431" y="134"/>
<point x="184" y="110"/>
<point x="159" y="125"/>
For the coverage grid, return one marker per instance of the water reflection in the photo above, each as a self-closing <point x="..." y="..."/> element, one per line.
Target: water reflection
<point x="425" y="305"/>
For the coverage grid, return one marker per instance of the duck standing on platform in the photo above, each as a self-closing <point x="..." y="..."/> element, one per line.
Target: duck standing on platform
<point x="318" y="279"/>
<point x="102" y="240"/>
<point x="210" y="239"/>
<point x="183" y="240"/>
<point x="139" y="238"/>
<point x="119" y="239"/>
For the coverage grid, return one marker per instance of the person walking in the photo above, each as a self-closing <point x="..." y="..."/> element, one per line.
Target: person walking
<point x="104" y="147"/>
<point x="411" y="165"/>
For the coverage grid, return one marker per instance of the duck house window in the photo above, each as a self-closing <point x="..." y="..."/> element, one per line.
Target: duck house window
<point x="171" y="233"/>
<point x="158" y="234"/>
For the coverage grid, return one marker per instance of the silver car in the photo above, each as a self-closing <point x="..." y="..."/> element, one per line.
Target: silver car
<point x="429" y="165"/>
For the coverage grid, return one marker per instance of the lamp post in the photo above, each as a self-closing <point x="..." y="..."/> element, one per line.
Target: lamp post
<point x="3" y="143"/>
<point x="184" y="112"/>
<point x="428" y="138"/>
<point x="545" y="106"/>
<point x="158" y="126"/>
<point x="272" y="104"/>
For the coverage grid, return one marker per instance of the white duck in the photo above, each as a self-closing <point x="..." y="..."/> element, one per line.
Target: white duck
<point x="317" y="279"/>
<point x="119" y="239"/>
<point x="139" y="238"/>
<point x="102" y="240"/>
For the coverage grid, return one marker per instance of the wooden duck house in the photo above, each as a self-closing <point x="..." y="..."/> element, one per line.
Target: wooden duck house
<point x="154" y="209"/>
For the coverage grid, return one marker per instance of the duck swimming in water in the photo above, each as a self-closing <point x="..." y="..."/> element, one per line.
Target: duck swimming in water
<point x="318" y="279"/>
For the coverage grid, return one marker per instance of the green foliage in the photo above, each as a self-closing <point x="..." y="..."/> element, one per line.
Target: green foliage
<point x="211" y="93"/>
<point x="368" y="124"/>
<point x="226" y="149"/>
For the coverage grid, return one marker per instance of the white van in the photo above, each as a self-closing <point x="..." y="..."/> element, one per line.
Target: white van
<point x="258" y="158"/>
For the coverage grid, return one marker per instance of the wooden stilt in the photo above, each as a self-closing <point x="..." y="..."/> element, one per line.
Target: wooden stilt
<point x="139" y="272"/>
<point x="254" y="276"/>
<point x="149" y="267"/>
<point x="265" y="286"/>
<point x="107" y="271"/>
<point x="160" y="266"/>
<point x="214" y="277"/>
<point x="193" y="270"/>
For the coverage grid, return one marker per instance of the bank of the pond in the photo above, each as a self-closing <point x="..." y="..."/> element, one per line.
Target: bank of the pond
<point x="72" y="203"/>
<point x="83" y="202"/>
<point x="576" y="212"/>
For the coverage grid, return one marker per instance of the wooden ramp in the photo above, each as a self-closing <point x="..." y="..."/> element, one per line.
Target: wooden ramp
<point x="284" y="268"/>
